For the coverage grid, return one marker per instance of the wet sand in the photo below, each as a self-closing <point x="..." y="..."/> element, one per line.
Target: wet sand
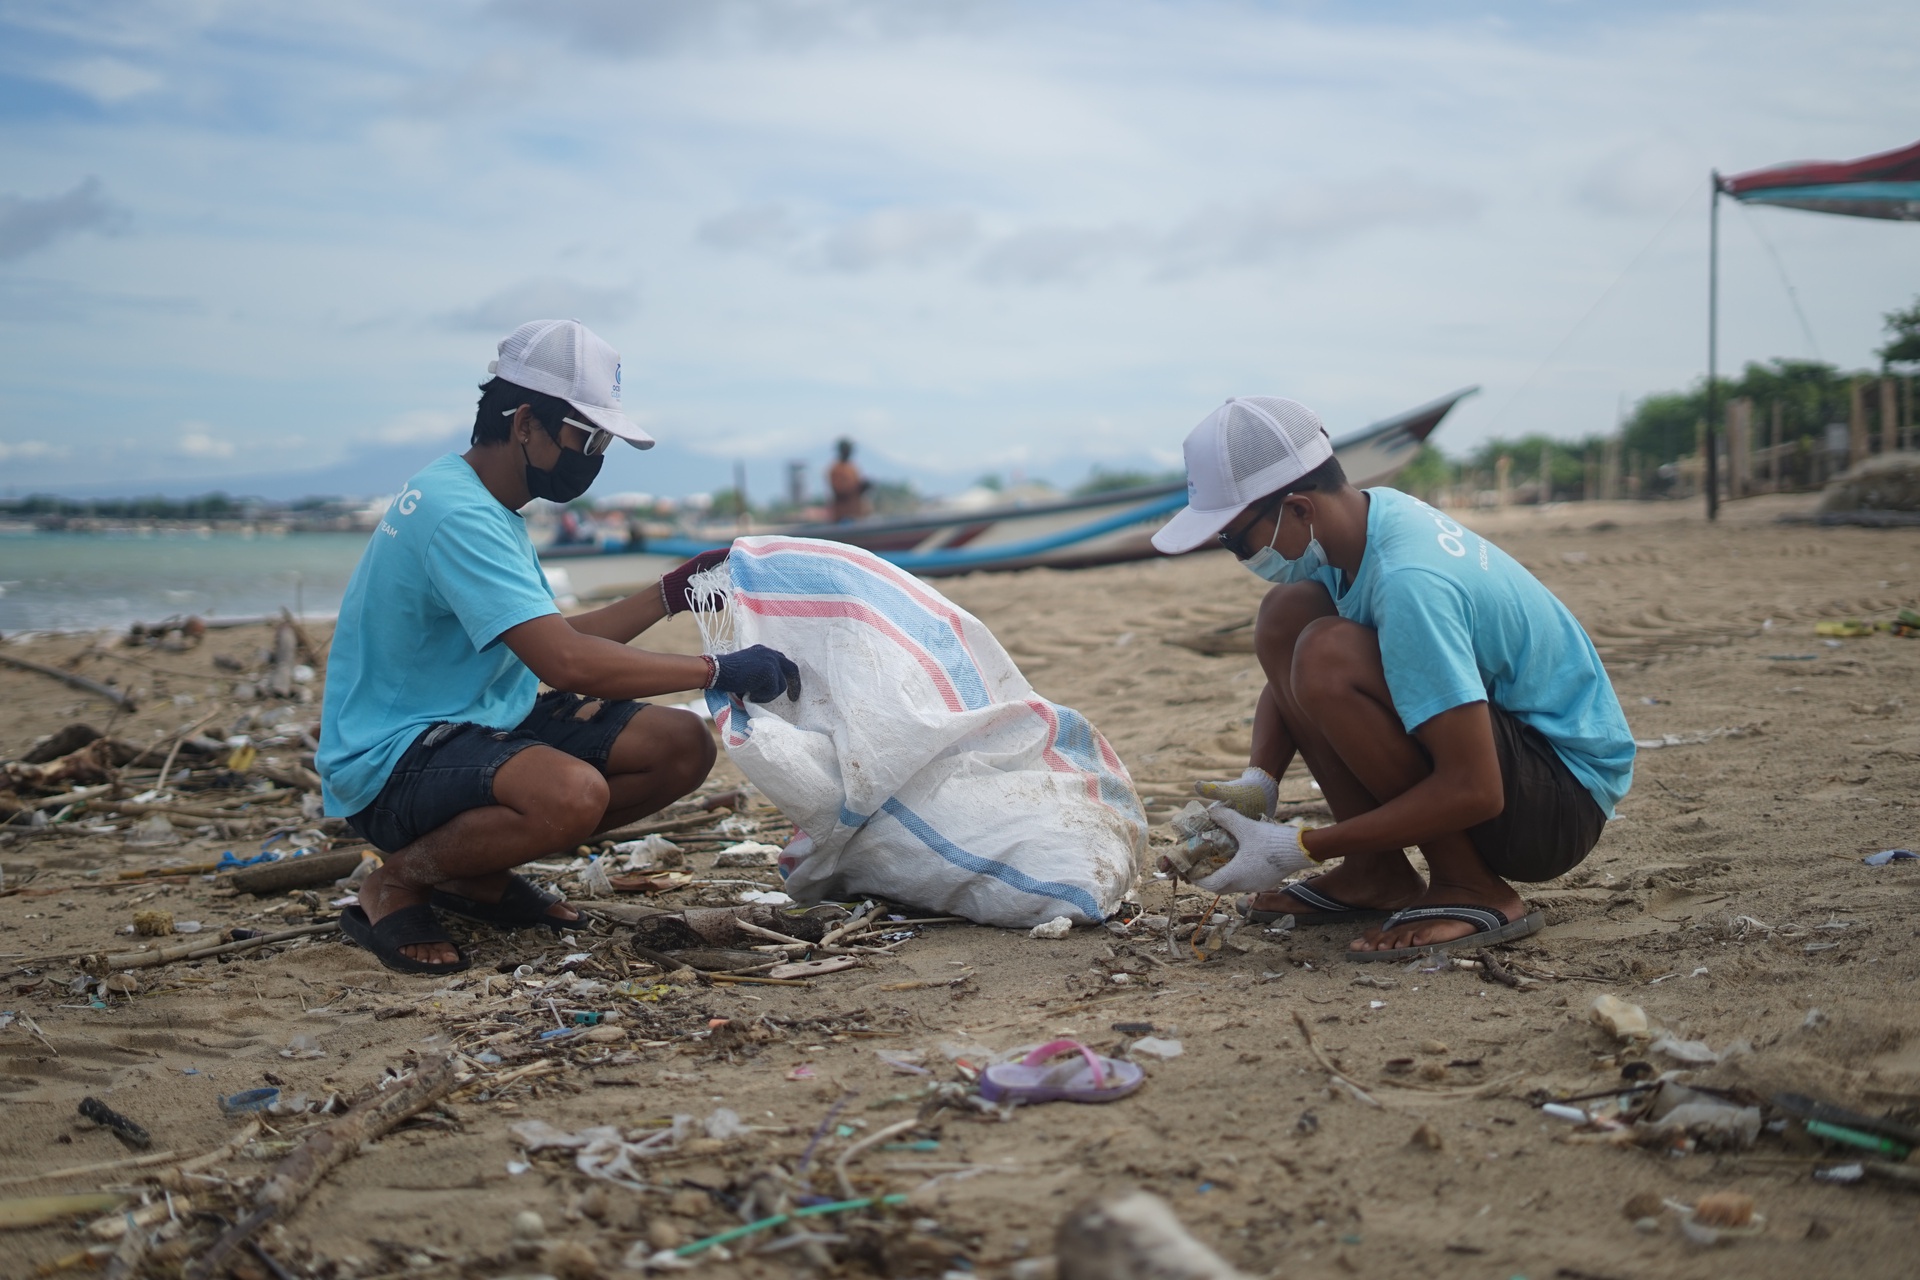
<point x="1728" y="899"/>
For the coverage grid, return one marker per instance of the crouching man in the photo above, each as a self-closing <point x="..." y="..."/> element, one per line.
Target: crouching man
<point x="1441" y="696"/>
<point x="436" y="743"/>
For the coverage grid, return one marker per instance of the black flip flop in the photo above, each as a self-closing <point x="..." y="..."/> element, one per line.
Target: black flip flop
<point x="1327" y="909"/>
<point x="1489" y="926"/>
<point x="407" y="927"/>
<point x="522" y="906"/>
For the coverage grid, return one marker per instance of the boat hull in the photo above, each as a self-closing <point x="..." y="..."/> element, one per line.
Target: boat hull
<point x="1109" y="528"/>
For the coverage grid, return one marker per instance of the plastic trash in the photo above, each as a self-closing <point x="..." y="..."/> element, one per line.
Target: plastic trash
<point x="250" y="1100"/>
<point x="748" y="853"/>
<point x="303" y="1046"/>
<point x="767" y="898"/>
<point x="594" y="881"/>
<point x="1718" y="1216"/>
<point x="1053" y="930"/>
<point x="1561" y="1111"/>
<point x="152" y="832"/>
<point x="1619" y="1018"/>
<point x="1692" y="1052"/>
<point x="724" y="1124"/>
<point x="645" y="855"/>
<point x="1885" y="856"/>
<point x="1155" y="1047"/>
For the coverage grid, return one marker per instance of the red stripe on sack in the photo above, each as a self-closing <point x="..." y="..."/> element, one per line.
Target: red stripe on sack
<point x="898" y="577"/>
<point x="858" y="612"/>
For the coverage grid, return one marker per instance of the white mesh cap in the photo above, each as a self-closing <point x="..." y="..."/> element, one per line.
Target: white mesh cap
<point x="565" y="358"/>
<point x="1249" y="447"/>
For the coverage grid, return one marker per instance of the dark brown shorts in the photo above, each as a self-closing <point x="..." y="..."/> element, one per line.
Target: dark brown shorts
<point x="1551" y="822"/>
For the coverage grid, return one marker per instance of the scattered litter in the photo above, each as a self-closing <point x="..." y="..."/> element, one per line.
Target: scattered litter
<point x="1841" y="1173"/>
<point x="153" y="924"/>
<point x="802" y="1072"/>
<point x="1695" y="1052"/>
<point x="1155" y="1047"/>
<point x="126" y="1130"/>
<point x="250" y="1100"/>
<point x="606" y="1153"/>
<point x="644" y="855"/>
<point x="1680" y="1115"/>
<point x="1619" y="1018"/>
<point x="152" y="832"/>
<point x="767" y="898"/>
<point x="303" y="1046"/>
<point x="748" y="853"/>
<point x="594" y="881"/>
<point x="812" y="968"/>
<point x="187" y="926"/>
<point x="905" y="1061"/>
<point x="1885" y="856"/>
<point x="1560" y="1111"/>
<point x="1695" y="739"/>
<point x="1721" y="1215"/>
<point x="1053" y="930"/>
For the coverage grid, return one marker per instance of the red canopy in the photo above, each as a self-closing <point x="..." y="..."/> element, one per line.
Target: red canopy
<point x="1882" y="186"/>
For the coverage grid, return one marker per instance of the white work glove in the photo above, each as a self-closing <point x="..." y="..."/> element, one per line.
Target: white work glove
<point x="1268" y="854"/>
<point x="1254" y="794"/>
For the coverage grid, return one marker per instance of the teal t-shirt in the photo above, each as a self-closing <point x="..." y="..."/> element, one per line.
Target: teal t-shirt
<point x="448" y="570"/>
<point x="1461" y="621"/>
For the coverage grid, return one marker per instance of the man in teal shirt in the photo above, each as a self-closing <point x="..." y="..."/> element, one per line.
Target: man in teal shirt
<point x="436" y="743"/>
<point x="1441" y="696"/>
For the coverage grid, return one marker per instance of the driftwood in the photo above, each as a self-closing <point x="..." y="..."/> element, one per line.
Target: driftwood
<point x="295" y="873"/>
<point x="111" y="694"/>
<point x="201" y="950"/>
<point x="304" y="1167"/>
<point x="661" y="826"/>
<point x="1134" y="1237"/>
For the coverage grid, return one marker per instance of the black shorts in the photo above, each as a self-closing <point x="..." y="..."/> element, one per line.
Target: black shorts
<point x="1551" y="822"/>
<point x="449" y="768"/>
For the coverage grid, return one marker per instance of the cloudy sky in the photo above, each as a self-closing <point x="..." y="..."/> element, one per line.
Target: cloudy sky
<point x="240" y="239"/>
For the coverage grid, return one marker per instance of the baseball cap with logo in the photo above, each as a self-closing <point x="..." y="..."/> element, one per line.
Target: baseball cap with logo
<point x="1249" y="447"/>
<point x="564" y="358"/>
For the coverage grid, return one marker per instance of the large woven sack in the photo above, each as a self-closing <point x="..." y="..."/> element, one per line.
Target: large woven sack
<point x="918" y="762"/>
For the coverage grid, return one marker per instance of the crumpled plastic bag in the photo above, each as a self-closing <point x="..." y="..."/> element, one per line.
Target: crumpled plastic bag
<point x="603" y="1151"/>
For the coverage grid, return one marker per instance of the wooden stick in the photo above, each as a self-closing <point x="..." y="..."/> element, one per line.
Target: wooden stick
<point x="308" y="1164"/>
<point x="1320" y="1056"/>
<point x="108" y="692"/>
<point x="200" y="951"/>
<point x="85" y="1170"/>
<point x="181" y="737"/>
<point x="135" y="809"/>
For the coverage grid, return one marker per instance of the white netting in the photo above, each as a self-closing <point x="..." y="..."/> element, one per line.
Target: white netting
<point x="1264" y="431"/>
<point x="710" y="593"/>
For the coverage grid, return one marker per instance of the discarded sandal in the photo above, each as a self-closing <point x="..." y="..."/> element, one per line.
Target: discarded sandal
<point x="407" y="927"/>
<point x="1327" y="909"/>
<point x="522" y="906"/>
<point x="1087" y="1078"/>
<point x="1490" y="926"/>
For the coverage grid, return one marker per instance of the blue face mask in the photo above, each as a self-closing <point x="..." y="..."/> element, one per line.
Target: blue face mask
<point x="1274" y="567"/>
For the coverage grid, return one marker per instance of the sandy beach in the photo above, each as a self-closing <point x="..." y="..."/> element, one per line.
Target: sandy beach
<point x="1728" y="899"/>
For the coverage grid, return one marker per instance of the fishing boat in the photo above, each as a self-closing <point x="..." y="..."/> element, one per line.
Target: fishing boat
<point x="1074" y="533"/>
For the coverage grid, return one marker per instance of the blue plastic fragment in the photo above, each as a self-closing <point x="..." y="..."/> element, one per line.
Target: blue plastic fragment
<point x="1885" y="856"/>
<point x="557" y="1032"/>
<point x="251" y="1100"/>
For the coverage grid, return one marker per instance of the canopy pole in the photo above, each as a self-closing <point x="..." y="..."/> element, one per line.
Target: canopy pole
<point x="1713" y="346"/>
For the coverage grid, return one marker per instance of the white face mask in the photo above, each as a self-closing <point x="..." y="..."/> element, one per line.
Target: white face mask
<point x="1274" y="567"/>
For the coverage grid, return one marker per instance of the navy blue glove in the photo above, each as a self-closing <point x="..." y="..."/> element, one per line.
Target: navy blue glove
<point x="759" y="674"/>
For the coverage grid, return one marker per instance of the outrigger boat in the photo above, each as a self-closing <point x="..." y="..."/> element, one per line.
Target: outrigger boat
<point x="1075" y="533"/>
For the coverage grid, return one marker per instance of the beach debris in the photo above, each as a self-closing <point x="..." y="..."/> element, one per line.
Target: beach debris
<point x="1204" y="846"/>
<point x="1718" y="1216"/>
<point x="647" y="853"/>
<point x="152" y="832"/>
<point x="1881" y="1135"/>
<point x="73" y="680"/>
<point x="766" y="898"/>
<point x="594" y="881"/>
<point x="322" y="1150"/>
<point x="249" y="1100"/>
<point x="1685" y="1117"/>
<point x="1619" y="1018"/>
<point x="609" y="1154"/>
<point x="1134" y="1236"/>
<point x="1696" y="1053"/>
<point x="200" y="950"/>
<point x="39" y="1211"/>
<point x="1697" y="738"/>
<point x="152" y="923"/>
<point x="747" y="853"/>
<point x="303" y="1046"/>
<point x="1053" y="930"/>
<point x="134" y="1135"/>
<point x="813" y="968"/>
<point x="1428" y="1137"/>
<point x="1156" y="1047"/>
<point x="1561" y="1111"/>
<point x="1886" y="856"/>
<point x="301" y="871"/>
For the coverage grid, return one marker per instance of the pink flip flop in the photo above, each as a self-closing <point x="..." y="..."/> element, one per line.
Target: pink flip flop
<point x="1088" y="1078"/>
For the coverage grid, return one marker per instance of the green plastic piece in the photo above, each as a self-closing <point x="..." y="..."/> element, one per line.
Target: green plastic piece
<point x="1854" y="1138"/>
<point x="767" y="1224"/>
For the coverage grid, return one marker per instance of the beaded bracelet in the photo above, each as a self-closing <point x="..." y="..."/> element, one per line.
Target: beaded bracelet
<point x="713" y="669"/>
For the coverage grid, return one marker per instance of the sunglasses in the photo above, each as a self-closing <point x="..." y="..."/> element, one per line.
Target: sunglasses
<point x="1236" y="541"/>
<point x="598" y="438"/>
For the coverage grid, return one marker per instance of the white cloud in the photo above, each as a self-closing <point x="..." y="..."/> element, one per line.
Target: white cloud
<point x="108" y="81"/>
<point x="197" y="442"/>
<point x="419" y="425"/>
<point x="898" y="237"/>
<point x="30" y="450"/>
<point x="760" y="227"/>
<point x="546" y="297"/>
<point x="651" y="28"/>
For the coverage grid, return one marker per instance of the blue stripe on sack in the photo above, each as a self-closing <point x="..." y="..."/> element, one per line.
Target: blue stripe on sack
<point x="1000" y="871"/>
<point x="810" y="573"/>
<point x="1074" y="739"/>
<point x="848" y="818"/>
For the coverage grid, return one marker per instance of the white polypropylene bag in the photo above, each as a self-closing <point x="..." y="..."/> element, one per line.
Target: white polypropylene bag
<point x="918" y="763"/>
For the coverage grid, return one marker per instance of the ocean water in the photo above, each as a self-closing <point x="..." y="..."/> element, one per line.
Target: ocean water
<point x="84" y="581"/>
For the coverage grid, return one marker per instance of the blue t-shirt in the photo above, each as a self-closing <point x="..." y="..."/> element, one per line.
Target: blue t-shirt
<point x="1461" y="621"/>
<point x="448" y="570"/>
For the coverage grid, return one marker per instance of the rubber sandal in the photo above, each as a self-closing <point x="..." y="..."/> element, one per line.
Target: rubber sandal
<point x="1490" y="926"/>
<point x="1088" y="1078"/>
<point x="1327" y="909"/>
<point x="522" y="906"/>
<point x="407" y="927"/>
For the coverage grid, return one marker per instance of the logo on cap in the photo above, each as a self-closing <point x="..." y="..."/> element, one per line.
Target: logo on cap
<point x="616" y="382"/>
